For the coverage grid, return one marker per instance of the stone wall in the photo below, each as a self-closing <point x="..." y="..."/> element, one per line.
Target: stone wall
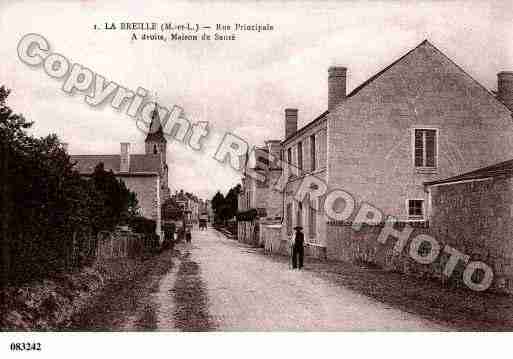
<point x="362" y="247"/>
<point x="475" y="218"/>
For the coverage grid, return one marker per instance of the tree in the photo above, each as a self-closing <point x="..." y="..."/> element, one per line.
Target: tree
<point x="217" y="204"/>
<point x="115" y="204"/>
<point x="225" y="208"/>
<point x="44" y="202"/>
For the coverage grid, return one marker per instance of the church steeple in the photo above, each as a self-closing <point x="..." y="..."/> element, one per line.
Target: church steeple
<point x="155" y="133"/>
<point x="155" y="141"/>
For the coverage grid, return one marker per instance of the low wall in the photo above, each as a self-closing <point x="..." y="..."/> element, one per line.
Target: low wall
<point x="346" y="244"/>
<point x="363" y="247"/>
<point x="476" y="218"/>
<point x="248" y="232"/>
<point x="125" y="245"/>
<point x="272" y="237"/>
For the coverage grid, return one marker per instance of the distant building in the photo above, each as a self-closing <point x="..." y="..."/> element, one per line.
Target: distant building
<point x="145" y="174"/>
<point x="190" y="204"/>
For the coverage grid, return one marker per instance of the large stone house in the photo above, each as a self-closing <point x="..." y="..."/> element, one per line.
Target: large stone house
<point x="145" y="174"/>
<point x="420" y="119"/>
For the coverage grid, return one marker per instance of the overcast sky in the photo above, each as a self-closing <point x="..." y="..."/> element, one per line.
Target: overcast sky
<point x="238" y="86"/>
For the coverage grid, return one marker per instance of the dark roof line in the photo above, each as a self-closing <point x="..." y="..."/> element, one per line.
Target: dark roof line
<point x="496" y="170"/>
<point x="357" y="89"/>
<point x="91" y="156"/>
<point x="374" y="77"/>
<point x="305" y="127"/>
<point x="125" y="174"/>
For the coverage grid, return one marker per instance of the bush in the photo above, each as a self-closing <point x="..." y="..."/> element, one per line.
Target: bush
<point x="48" y="211"/>
<point x="142" y="225"/>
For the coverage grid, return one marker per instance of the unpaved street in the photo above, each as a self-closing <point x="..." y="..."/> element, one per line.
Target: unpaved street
<point x="215" y="283"/>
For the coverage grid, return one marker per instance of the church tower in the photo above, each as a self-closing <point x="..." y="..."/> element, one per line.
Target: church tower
<point x="155" y="143"/>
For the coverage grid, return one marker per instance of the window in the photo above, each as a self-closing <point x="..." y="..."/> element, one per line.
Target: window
<point x="425" y="148"/>
<point x="416" y="209"/>
<point x="289" y="156"/>
<point x="299" y="214"/>
<point x="289" y="219"/>
<point x="155" y="151"/>
<point x="300" y="156"/>
<point x="312" y="219"/>
<point x="312" y="153"/>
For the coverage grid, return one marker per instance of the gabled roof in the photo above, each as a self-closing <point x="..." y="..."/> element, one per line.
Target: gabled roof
<point x="86" y="163"/>
<point x="376" y="76"/>
<point x="139" y="163"/>
<point x="422" y="44"/>
<point x="499" y="169"/>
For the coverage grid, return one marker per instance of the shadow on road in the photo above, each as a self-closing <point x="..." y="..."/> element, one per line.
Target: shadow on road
<point x="190" y="298"/>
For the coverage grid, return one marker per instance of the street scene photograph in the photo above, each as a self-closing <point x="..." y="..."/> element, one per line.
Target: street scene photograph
<point x="291" y="168"/>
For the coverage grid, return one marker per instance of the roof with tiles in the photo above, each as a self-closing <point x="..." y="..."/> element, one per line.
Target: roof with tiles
<point x="139" y="163"/>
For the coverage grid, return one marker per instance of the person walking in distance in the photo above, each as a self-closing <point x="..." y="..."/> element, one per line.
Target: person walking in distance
<point x="298" y="249"/>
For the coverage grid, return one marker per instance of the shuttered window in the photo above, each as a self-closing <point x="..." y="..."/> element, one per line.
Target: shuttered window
<point x="299" y="214"/>
<point x="313" y="161"/>
<point x="300" y="157"/>
<point x="425" y="147"/>
<point x="312" y="223"/>
<point x="289" y="219"/>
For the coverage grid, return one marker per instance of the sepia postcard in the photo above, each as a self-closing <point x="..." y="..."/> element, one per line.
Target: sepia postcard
<point x="302" y="175"/>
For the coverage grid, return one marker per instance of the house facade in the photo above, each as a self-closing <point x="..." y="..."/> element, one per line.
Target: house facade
<point x="305" y="150"/>
<point x="257" y="202"/>
<point x="420" y="119"/>
<point x="144" y="174"/>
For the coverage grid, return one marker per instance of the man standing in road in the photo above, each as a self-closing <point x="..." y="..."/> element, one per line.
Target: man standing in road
<point x="298" y="248"/>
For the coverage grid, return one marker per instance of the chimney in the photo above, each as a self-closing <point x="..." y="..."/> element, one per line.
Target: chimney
<point x="336" y="86"/>
<point x="290" y="121"/>
<point x="125" y="157"/>
<point x="505" y="88"/>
